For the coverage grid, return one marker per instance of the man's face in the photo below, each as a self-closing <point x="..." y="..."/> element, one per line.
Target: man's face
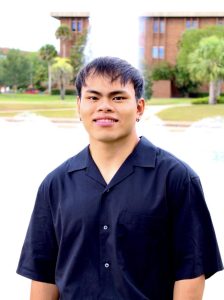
<point x="109" y="110"/>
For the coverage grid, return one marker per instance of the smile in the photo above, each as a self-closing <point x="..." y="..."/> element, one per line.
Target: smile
<point x="108" y="120"/>
<point x="105" y="121"/>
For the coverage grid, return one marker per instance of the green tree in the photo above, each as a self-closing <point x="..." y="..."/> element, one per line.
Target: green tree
<point x="47" y="54"/>
<point x="16" y="69"/>
<point x="146" y="73"/>
<point x="188" y="43"/>
<point x="40" y="76"/>
<point x="183" y="81"/>
<point x="62" y="73"/>
<point x="36" y="64"/>
<point x="191" y="39"/>
<point x="1" y="72"/>
<point x="162" y="71"/>
<point x="77" y="53"/>
<point x="63" y="33"/>
<point x="206" y="64"/>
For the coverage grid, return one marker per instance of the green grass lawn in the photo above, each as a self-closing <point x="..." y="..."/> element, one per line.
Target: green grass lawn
<point x="48" y="98"/>
<point x="33" y="98"/>
<point x="168" y="101"/>
<point x="191" y="113"/>
<point x="53" y="107"/>
<point x="44" y="105"/>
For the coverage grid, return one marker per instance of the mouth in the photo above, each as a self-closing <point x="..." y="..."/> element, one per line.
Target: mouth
<point x="105" y="121"/>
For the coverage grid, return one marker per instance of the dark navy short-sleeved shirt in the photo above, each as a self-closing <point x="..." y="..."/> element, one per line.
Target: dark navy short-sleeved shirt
<point x="130" y="239"/>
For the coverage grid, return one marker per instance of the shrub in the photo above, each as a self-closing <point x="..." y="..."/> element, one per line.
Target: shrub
<point x="203" y="100"/>
<point x="55" y="92"/>
<point x="67" y="92"/>
<point x="70" y="92"/>
<point x="162" y="71"/>
<point x="41" y="88"/>
<point x="220" y="99"/>
<point x="198" y="95"/>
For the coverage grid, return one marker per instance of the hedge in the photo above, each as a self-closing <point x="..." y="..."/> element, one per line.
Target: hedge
<point x="67" y="92"/>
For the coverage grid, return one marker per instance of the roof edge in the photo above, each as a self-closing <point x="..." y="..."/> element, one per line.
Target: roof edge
<point x="177" y="14"/>
<point x="183" y="14"/>
<point x="58" y="15"/>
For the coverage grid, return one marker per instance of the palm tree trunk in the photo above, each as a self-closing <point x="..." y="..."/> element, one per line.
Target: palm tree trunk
<point x="62" y="88"/>
<point x="49" y="79"/>
<point x="63" y="49"/>
<point x="14" y="88"/>
<point x="212" y="92"/>
<point x="219" y="87"/>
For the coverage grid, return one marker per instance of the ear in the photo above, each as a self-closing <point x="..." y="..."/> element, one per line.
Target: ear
<point x="78" y="105"/>
<point x="140" y="107"/>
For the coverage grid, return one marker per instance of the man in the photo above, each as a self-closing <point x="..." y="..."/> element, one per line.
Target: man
<point x="123" y="219"/>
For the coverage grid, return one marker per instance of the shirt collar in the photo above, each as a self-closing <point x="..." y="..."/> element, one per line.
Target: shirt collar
<point x="79" y="161"/>
<point x="144" y="155"/>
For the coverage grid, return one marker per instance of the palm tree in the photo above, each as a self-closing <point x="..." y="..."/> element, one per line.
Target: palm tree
<point x="62" y="73"/>
<point x="63" y="33"/>
<point x="77" y="55"/>
<point x="206" y="64"/>
<point x="48" y="53"/>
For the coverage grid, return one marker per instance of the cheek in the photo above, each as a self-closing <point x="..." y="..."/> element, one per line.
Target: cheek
<point x="131" y="113"/>
<point x="86" y="116"/>
<point x="84" y="110"/>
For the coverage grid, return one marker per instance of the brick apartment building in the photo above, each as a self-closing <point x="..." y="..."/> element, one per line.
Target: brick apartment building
<point x="160" y="33"/>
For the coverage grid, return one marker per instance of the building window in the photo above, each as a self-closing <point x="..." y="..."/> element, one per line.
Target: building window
<point x="142" y="25"/>
<point x="191" y="23"/>
<point x="158" y="25"/>
<point x="158" y="52"/>
<point x="141" y="53"/>
<point x="77" y="25"/>
<point x="162" y="26"/>
<point x="220" y="21"/>
<point x="74" y="25"/>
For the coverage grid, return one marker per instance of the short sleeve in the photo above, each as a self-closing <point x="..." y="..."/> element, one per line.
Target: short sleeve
<point x="194" y="241"/>
<point x="39" y="252"/>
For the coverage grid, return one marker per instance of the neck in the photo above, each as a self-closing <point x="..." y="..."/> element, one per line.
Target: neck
<point x="110" y="156"/>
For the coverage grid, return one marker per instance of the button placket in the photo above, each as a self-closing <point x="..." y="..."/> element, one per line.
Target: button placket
<point x="105" y="231"/>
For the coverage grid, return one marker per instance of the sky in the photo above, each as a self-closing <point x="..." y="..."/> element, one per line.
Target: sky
<point x="28" y="25"/>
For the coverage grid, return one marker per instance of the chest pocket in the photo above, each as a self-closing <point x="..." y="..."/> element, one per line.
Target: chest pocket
<point x="141" y="224"/>
<point x="141" y="240"/>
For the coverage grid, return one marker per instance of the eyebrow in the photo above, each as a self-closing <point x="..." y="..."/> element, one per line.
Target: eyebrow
<point x="110" y="94"/>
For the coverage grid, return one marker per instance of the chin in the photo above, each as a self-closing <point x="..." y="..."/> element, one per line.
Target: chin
<point x="106" y="139"/>
<point x="109" y="138"/>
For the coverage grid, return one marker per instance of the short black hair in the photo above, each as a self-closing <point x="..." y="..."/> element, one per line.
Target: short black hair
<point x="114" y="68"/>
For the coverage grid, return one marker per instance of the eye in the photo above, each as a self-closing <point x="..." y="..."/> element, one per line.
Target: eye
<point x="92" y="98"/>
<point x="119" y="98"/>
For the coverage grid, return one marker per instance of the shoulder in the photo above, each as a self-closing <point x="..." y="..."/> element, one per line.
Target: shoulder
<point x="60" y="173"/>
<point x="174" y="163"/>
<point x="168" y="165"/>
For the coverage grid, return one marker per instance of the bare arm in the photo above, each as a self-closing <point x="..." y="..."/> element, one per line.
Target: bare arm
<point x="189" y="289"/>
<point x="43" y="291"/>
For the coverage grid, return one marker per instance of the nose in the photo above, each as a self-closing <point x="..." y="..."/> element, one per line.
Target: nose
<point x="104" y="105"/>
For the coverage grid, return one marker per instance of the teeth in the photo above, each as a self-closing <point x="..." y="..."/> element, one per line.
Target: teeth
<point x="105" y="120"/>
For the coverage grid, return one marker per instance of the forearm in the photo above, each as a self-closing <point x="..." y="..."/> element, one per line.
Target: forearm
<point x="43" y="291"/>
<point x="190" y="289"/>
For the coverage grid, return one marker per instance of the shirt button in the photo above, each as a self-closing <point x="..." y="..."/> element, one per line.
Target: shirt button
<point x="105" y="227"/>
<point x="106" y="265"/>
<point x="108" y="190"/>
